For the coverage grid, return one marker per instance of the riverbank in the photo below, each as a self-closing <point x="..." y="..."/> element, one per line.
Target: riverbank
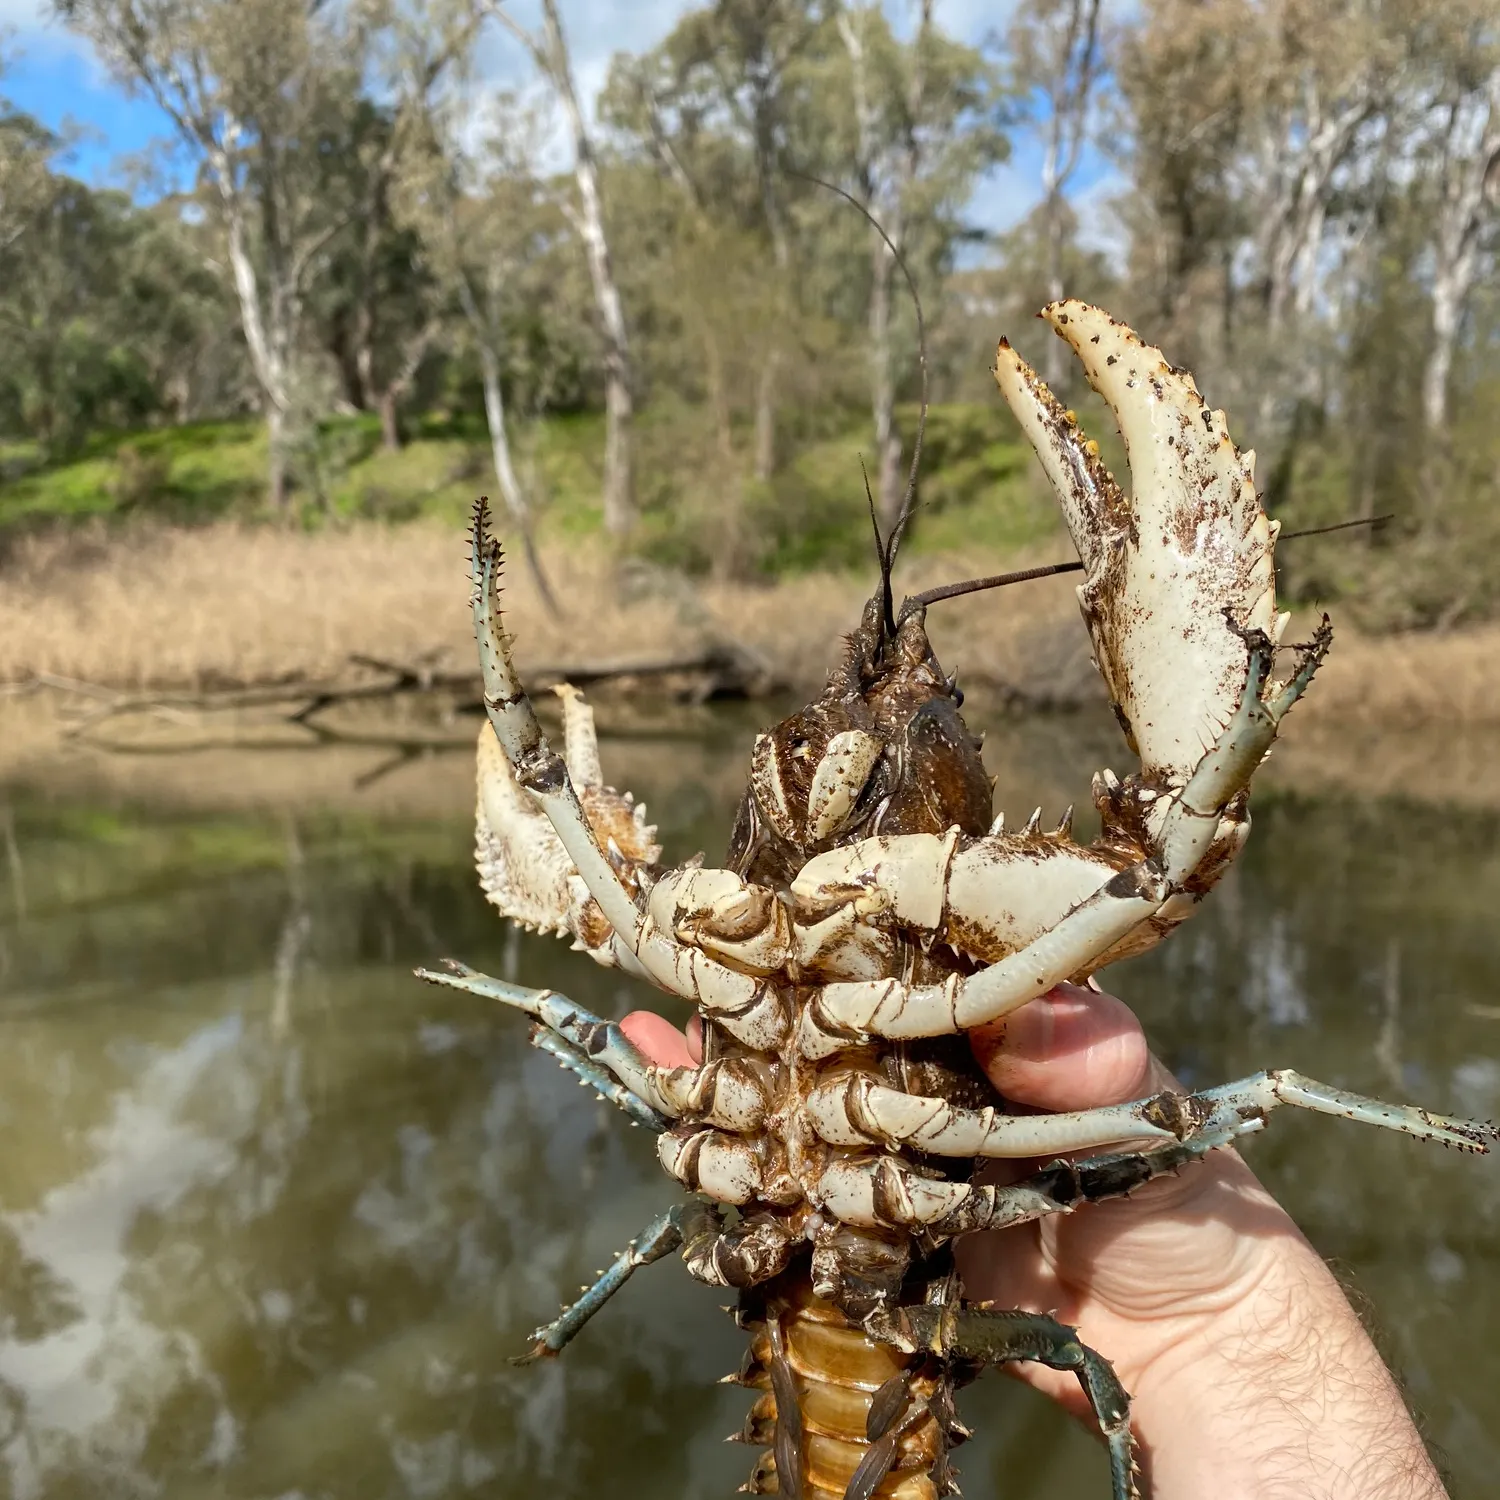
<point x="228" y="605"/>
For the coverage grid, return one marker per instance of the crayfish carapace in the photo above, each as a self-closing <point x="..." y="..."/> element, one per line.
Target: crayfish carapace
<point x="869" y="913"/>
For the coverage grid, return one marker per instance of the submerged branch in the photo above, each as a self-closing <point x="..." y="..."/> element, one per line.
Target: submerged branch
<point x="717" y="670"/>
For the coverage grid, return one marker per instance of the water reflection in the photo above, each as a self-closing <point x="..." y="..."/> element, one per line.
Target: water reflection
<point x="273" y="1216"/>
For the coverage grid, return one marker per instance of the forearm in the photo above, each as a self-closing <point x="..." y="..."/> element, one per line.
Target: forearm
<point x="1279" y="1394"/>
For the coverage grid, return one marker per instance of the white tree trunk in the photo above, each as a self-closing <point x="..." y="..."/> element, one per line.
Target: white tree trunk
<point x="276" y="462"/>
<point x="1299" y="161"/>
<point x="1471" y="167"/>
<point x="266" y="346"/>
<point x="494" y="417"/>
<point x="1056" y="369"/>
<point x="619" y="500"/>
<point x="1447" y="303"/>
<point x="888" y="206"/>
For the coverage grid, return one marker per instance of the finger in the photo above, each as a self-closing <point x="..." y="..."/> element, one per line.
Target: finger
<point x="662" y="1042"/>
<point x="1073" y="1048"/>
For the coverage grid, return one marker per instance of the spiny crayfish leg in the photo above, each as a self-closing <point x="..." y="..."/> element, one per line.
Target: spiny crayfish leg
<point x="664" y="1090"/>
<point x="993" y="1337"/>
<point x="1257" y="1095"/>
<point x="603" y="1083"/>
<point x="1061" y="1186"/>
<point x="856" y="1110"/>
<point x="683" y="1223"/>
<point x="1079" y="935"/>
<point x="1071" y="946"/>
<point x="747" y="1007"/>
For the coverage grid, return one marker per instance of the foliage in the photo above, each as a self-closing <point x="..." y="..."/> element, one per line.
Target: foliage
<point x="1309" y="223"/>
<point x="99" y="303"/>
<point x="811" y="515"/>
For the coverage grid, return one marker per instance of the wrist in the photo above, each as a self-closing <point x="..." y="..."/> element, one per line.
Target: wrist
<point x="1283" y="1390"/>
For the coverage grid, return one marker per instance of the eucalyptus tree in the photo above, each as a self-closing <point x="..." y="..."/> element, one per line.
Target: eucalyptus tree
<point x="378" y="311"/>
<point x="66" y="365"/>
<point x="1058" y="56"/>
<point x="714" y="105"/>
<point x="256" y="91"/>
<point x="920" y="120"/>
<point x="1254" y="128"/>
<point x="747" y="101"/>
<point x="493" y="240"/>
<point x="108" y="314"/>
<point x="548" y="47"/>
<point x="26" y="179"/>
<point x="1459" y="149"/>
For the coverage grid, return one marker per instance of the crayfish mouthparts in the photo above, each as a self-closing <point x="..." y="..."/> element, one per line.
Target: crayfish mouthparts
<point x="870" y="912"/>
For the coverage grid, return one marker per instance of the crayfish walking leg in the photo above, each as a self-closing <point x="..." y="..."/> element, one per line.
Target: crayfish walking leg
<point x="993" y="1337"/>
<point x="656" y="1091"/>
<point x="933" y="1126"/>
<point x="683" y="1223"/>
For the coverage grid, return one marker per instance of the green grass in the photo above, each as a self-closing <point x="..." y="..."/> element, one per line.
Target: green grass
<point x="977" y="490"/>
<point x="198" y="471"/>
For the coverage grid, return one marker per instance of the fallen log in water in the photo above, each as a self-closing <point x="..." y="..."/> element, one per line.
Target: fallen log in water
<point x="717" y="670"/>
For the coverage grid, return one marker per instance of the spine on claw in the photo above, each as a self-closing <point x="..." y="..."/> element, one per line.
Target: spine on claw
<point x="842" y="1416"/>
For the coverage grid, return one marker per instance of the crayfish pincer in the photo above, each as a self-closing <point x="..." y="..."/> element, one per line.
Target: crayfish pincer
<point x="870" y="910"/>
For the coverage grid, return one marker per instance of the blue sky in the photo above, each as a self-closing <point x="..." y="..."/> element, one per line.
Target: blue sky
<point x="53" y="76"/>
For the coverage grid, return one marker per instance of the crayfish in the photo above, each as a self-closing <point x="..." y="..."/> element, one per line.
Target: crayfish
<point x="870" y="911"/>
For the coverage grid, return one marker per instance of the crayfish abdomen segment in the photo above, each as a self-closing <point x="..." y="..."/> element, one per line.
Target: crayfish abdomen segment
<point x="871" y="1422"/>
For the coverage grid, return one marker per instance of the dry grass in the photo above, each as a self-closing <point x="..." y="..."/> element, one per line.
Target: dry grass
<point x="1416" y="681"/>
<point x="227" y="604"/>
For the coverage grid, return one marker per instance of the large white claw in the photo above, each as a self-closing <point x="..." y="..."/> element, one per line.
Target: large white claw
<point x="1176" y="571"/>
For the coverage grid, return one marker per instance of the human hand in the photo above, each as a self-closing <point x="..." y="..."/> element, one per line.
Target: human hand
<point x="1251" y="1376"/>
<point x="1145" y="1278"/>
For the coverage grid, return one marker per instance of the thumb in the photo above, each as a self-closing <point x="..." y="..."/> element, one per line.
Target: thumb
<point x="1072" y="1048"/>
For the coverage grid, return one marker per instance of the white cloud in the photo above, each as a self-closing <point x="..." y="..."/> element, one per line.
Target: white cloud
<point x="595" y="30"/>
<point x="970" y="21"/>
<point x="22" y="15"/>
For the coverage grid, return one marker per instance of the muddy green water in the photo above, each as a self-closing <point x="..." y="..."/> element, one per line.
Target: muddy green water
<point x="274" y="1216"/>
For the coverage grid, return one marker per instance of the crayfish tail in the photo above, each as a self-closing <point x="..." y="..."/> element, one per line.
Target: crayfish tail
<point x="864" y="1425"/>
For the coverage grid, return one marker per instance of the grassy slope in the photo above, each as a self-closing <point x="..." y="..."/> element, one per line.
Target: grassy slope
<point x="976" y="490"/>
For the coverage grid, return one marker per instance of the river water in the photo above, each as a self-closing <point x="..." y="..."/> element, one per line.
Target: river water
<point x="274" y="1216"/>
